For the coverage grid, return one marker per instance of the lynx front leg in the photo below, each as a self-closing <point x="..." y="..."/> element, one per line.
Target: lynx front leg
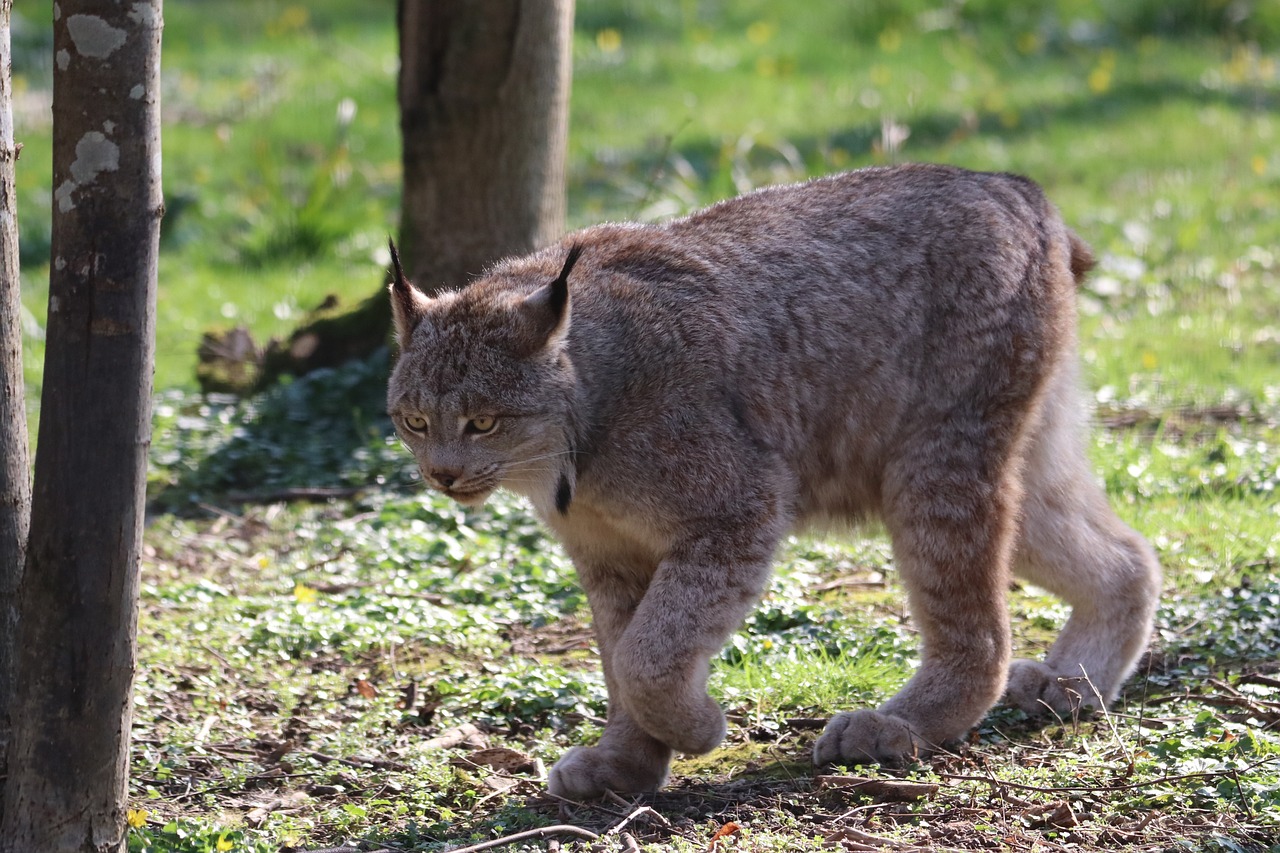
<point x="951" y="536"/>
<point x="627" y="759"/>
<point x="699" y="595"/>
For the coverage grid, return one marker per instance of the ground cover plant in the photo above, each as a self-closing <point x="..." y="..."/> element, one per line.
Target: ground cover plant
<point x="330" y="656"/>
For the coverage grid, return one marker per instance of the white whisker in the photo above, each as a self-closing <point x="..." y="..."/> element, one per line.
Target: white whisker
<point x="548" y="456"/>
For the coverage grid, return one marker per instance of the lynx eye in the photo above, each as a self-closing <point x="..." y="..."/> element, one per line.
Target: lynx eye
<point x="481" y="425"/>
<point x="417" y="423"/>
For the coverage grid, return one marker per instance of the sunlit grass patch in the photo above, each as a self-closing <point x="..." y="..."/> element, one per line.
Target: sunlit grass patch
<point x="815" y="681"/>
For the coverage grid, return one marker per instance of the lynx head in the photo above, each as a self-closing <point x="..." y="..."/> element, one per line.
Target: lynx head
<point x="482" y="390"/>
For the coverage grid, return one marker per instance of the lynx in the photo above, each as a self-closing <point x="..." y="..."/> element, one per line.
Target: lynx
<point x="892" y="343"/>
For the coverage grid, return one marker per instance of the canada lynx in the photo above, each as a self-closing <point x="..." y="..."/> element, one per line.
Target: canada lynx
<point x="896" y="343"/>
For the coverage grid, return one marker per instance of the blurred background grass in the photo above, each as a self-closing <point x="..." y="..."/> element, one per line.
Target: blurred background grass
<point x="1152" y="124"/>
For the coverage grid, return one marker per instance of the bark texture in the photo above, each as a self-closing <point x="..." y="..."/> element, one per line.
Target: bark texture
<point x="15" y="472"/>
<point x="484" y="104"/>
<point x="76" y="651"/>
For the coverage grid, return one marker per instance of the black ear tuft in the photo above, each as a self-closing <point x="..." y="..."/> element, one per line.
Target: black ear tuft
<point x="574" y="252"/>
<point x="545" y="312"/>
<point x="395" y="263"/>
<point x="407" y="302"/>
<point x="560" y="286"/>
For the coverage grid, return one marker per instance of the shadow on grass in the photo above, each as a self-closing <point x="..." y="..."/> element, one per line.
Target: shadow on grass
<point x="323" y="435"/>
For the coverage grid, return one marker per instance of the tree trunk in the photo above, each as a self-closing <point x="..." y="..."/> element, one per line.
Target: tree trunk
<point x="76" y="649"/>
<point x="484" y="104"/>
<point x="15" y="471"/>
<point x="484" y="113"/>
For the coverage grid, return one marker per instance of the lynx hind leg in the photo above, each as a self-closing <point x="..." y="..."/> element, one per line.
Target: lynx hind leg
<point x="952" y="531"/>
<point x="1073" y="545"/>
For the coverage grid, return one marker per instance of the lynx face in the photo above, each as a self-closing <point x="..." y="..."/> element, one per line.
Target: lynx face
<point x="481" y="392"/>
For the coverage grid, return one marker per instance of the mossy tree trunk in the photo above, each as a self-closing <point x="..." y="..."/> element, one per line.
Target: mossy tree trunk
<point x="78" y="599"/>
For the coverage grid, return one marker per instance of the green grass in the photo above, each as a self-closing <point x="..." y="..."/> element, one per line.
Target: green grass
<point x="297" y="658"/>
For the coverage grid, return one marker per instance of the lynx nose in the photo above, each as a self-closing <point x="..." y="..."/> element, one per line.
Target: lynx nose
<point x="446" y="477"/>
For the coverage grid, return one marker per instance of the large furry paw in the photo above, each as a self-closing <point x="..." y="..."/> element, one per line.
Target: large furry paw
<point x="693" y="727"/>
<point x="1038" y="690"/>
<point x="587" y="772"/>
<point x="866" y="737"/>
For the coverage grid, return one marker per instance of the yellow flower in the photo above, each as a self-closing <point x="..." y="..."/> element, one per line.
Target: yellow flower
<point x="224" y="844"/>
<point x="1149" y="361"/>
<point x="304" y="594"/>
<point x="760" y="32"/>
<point x="1258" y="164"/>
<point x="890" y="40"/>
<point x="1099" y="80"/>
<point x="292" y="19"/>
<point x="137" y="818"/>
<point x="1028" y="43"/>
<point x="609" y="40"/>
<point x="1100" y="76"/>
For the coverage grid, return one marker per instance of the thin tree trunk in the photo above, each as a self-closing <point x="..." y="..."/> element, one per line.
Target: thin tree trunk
<point x="15" y="471"/>
<point x="484" y="103"/>
<point x="76" y="651"/>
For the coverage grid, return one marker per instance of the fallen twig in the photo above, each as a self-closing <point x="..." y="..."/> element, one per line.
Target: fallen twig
<point x="455" y="737"/>
<point x="856" y="810"/>
<point x="865" y="842"/>
<point x="900" y="790"/>
<point x="1087" y="789"/>
<point x="298" y="493"/>
<point x="811" y="723"/>
<point x="622" y="824"/>
<point x="376" y="763"/>
<point x="1259" y="679"/>
<point x="542" y="832"/>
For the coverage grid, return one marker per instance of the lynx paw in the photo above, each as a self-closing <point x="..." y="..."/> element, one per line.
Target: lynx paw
<point x="587" y="772"/>
<point x="866" y="737"/>
<point x="694" y="727"/>
<point x="1036" y="689"/>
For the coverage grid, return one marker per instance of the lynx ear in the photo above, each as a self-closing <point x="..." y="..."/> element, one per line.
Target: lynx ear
<point x="407" y="302"/>
<point x="547" y="308"/>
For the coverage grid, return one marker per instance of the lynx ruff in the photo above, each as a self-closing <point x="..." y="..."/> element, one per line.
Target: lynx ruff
<point x="894" y="343"/>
